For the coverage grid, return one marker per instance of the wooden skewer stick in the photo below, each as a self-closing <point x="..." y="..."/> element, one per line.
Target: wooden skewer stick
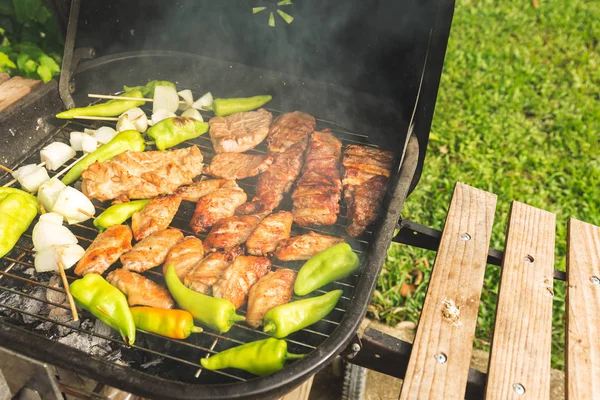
<point x="87" y="214"/>
<point x="61" y="268"/>
<point x="108" y="96"/>
<point x="2" y="167"/>
<point x="97" y="118"/>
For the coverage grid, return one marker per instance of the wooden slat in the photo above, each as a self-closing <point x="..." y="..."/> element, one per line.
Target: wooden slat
<point x="4" y="76"/>
<point x="301" y="392"/>
<point x="583" y="306"/>
<point x="15" y="88"/>
<point x="520" y="356"/>
<point x="439" y="363"/>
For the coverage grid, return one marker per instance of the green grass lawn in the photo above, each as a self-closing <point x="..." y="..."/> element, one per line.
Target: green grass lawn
<point x="518" y="114"/>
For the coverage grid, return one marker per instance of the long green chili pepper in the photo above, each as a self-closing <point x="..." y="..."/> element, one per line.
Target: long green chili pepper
<point x="259" y="358"/>
<point x="334" y="263"/>
<point x="148" y="89"/>
<point x="225" y="107"/>
<point x="5" y="191"/>
<point x="106" y="302"/>
<point x="122" y="142"/>
<point x="288" y="318"/>
<point x="213" y="312"/>
<point x="175" y="324"/>
<point x="111" y="108"/>
<point x="119" y="213"/>
<point x="17" y="212"/>
<point x="172" y="131"/>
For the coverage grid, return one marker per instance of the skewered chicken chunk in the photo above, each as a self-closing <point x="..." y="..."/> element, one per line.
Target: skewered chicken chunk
<point x="230" y="232"/>
<point x="155" y="217"/>
<point x="238" y="165"/>
<point x="269" y="232"/>
<point x="140" y="290"/>
<point x="239" y="277"/>
<point x="151" y="251"/>
<point x="105" y="250"/>
<point x="199" y="189"/>
<point x="208" y="271"/>
<point x="272" y="290"/>
<point x="217" y="205"/>
<point x="184" y="256"/>
<point x="305" y="246"/>
<point x="289" y="129"/>
<point x="239" y="132"/>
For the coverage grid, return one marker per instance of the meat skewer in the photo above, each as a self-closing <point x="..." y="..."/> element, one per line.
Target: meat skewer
<point x="105" y="250"/>
<point x="155" y="216"/>
<point x="239" y="132"/>
<point x="140" y="290"/>
<point x="230" y="232"/>
<point x="305" y="246"/>
<point x="200" y="189"/>
<point x="238" y="278"/>
<point x="272" y="290"/>
<point x="208" y="271"/>
<point x="269" y="232"/>
<point x="217" y="205"/>
<point x="184" y="256"/>
<point x="151" y="251"/>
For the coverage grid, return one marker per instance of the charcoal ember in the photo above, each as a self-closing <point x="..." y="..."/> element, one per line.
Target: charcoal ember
<point x="63" y="316"/>
<point x="152" y="363"/>
<point x="29" y="271"/>
<point x="80" y="341"/>
<point x="35" y="306"/>
<point x="55" y="296"/>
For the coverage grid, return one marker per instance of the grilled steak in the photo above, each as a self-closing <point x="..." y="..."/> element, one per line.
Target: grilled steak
<point x="199" y="189"/>
<point x="365" y="178"/>
<point x="141" y="175"/>
<point x="272" y="290"/>
<point x="318" y="191"/>
<point x="217" y="205"/>
<point x="208" y="271"/>
<point x="230" y="232"/>
<point x="139" y="290"/>
<point x="238" y="166"/>
<point x="289" y="129"/>
<point x="155" y="217"/>
<point x="151" y="251"/>
<point x="184" y="256"/>
<point x="105" y="250"/>
<point x="238" y="278"/>
<point x="305" y="246"/>
<point x="269" y="232"/>
<point x="239" y="132"/>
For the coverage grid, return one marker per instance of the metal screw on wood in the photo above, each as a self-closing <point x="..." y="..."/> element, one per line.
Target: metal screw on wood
<point x="465" y="236"/>
<point x="355" y="349"/>
<point x="441" y="358"/>
<point x="519" y="389"/>
<point x="595" y="280"/>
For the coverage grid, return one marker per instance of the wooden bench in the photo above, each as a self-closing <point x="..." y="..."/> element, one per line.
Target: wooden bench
<point x="520" y="356"/>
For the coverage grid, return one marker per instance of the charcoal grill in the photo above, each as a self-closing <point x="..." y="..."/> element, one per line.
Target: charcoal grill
<point x="369" y="72"/>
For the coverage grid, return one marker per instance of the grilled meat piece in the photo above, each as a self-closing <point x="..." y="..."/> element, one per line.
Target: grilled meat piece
<point x="139" y="290"/>
<point x="272" y="290"/>
<point x="305" y="246"/>
<point x="141" y="175"/>
<point x="289" y="129"/>
<point x="217" y="205"/>
<point x="151" y="251"/>
<point x="269" y="232"/>
<point x="317" y="194"/>
<point x="230" y="232"/>
<point x="199" y="189"/>
<point x="238" y="278"/>
<point x="239" y="132"/>
<point x="184" y="256"/>
<point x="105" y="250"/>
<point x="155" y="217"/>
<point x="365" y="178"/>
<point x="238" y="165"/>
<point x="208" y="271"/>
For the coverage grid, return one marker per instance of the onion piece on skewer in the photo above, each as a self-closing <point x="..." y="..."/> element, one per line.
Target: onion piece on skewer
<point x="137" y="116"/>
<point x="165" y="97"/>
<point x="203" y="103"/>
<point x="56" y="154"/>
<point x="192" y="113"/>
<point x="48" y="193"/>
<point x="105" y="134"/>
<point x="69" y="203"/>
<point x="49" y="258"/>
<point x="75" y="138"/>
<point x="161" y="114"/>
<point x="89" y="144"/>
<point x="186" y="95"/>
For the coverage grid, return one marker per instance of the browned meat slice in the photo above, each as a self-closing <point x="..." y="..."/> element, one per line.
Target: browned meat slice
<point x="151" y="251"/>
<point x="230" y="232"/>
<point x="105" y="250"/>
<point x="289" y="129"/>
<point x="141" y="175"/>
<point x="140" y="291"/>
<point x="238" y="165"/>
<point x="185" y="255"/>
<point x="199" y="189"/>
<point x="215" y="206"/>
<point x="305" y="246"/>
<point x="207" y="272"/>
<point x="155" y="217"/>
<point x="365" y="179"/>
<point x="272" y="290"/>
<point x="238" y="278"/>
<point x="239" y="132"/>
<point x="274" y="228"/>
<point x="318" y="191"/>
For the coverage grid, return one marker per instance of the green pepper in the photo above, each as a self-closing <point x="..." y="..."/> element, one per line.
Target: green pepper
<point x="119" y="213"/>
<point x="5" y="191"/>
<point x="288" y="318"/>
<point x="259" y="358"/>
<point x="111" y="108"/>
<point x="17" y="212"/>
<point x="106" y="302"/>
<point x="148" y="89"/>
<point x="213" y="312"/>
<point x="225" y="107"/>
<point x="122" y="142"/>
<point x="334" y="263"/>
<point x="175" y="324"/>
<point x="171" y="131"/>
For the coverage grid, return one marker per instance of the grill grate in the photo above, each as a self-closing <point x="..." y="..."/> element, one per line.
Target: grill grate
<point x="25" y="295"/>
